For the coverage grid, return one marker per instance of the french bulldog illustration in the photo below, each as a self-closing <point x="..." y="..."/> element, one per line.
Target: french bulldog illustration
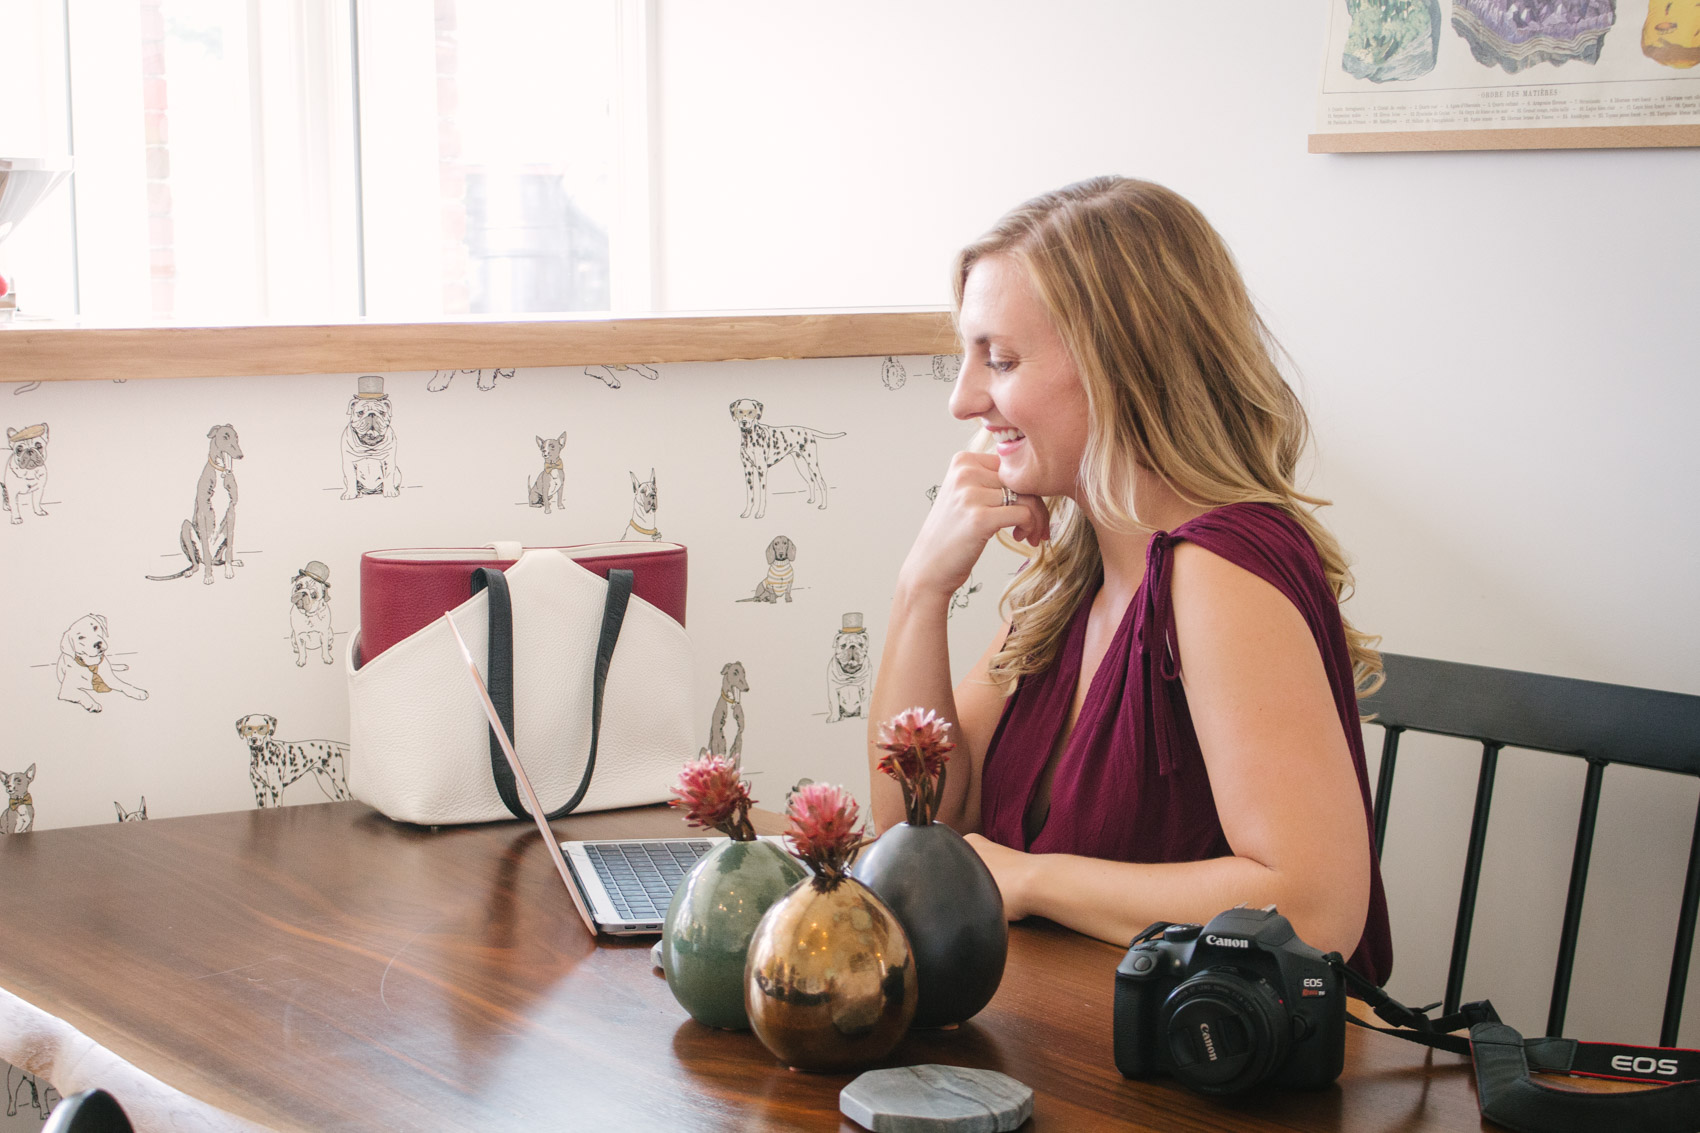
<point x="310" y="613"/>
<point x="23" y="479"/>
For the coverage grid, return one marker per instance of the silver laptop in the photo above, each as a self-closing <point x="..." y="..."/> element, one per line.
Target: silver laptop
<point x="628" y="883"/>
<point x="619" y="887"/>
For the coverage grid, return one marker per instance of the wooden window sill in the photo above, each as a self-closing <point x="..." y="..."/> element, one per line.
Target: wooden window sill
<point x="35" y="351"/>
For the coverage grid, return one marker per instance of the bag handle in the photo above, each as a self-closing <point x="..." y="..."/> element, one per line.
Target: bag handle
<point x="499" y="678"/>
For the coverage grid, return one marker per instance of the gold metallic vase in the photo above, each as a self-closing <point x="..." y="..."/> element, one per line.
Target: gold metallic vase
<point x="830" y="980"/>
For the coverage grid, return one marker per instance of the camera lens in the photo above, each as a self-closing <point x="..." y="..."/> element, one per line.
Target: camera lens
<point x="1226" y="1031"/>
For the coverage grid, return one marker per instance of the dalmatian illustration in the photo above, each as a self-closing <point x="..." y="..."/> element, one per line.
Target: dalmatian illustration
<point x="761" y="446"/>
<point x="274" y="764"/>
<point x="140" y="814"/>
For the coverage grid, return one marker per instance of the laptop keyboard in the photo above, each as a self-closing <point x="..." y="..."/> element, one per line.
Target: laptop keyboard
<point x="640" y="876"/>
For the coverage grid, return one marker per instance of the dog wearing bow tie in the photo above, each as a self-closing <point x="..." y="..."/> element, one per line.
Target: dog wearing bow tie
<point x="19" y="814"/>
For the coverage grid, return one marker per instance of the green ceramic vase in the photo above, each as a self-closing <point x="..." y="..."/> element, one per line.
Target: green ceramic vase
<point x="714" y="914"/>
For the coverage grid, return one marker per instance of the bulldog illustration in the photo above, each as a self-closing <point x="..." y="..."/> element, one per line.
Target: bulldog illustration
<point x="848" y="673"/>
<point x="310" y="613"/>
<point x="23" y="479"/>
<point x="369" y="465"/>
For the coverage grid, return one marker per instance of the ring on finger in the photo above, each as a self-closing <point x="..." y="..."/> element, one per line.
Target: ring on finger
<point x="1009" y="497"/>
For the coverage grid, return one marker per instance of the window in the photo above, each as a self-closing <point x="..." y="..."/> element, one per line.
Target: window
<point x="324" y="159"/>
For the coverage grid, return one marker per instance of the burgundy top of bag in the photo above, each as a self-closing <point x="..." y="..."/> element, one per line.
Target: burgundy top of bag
<point x="402" y="591"/>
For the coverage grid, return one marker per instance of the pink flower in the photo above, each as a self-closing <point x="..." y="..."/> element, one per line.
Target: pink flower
<point x="917" y="745"/>
<point x="714" y="795"/>
<point x="823" y="829"/>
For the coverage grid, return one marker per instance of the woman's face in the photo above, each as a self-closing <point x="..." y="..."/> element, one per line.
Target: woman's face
<point x="1019" y="381"/>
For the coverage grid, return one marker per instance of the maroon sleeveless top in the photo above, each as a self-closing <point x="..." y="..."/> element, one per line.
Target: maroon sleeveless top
<point x="1130" y="784"/>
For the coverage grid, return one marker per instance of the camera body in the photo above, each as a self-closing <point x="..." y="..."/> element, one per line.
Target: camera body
<point x="1230" y="1005"/>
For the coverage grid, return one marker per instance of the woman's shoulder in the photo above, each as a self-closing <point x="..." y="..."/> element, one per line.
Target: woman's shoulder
<point x="1252" y="525"/>
<point x="1261" y="538"/>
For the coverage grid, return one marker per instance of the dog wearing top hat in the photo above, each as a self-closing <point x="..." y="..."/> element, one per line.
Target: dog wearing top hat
<point x="369" y="443"/>
<point x="23" y="479"/>
<point x="848" y="672"/>
<point x="310" y="612"/>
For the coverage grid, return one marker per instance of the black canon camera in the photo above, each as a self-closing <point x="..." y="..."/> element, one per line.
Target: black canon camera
<point x="1236" y="1003"/>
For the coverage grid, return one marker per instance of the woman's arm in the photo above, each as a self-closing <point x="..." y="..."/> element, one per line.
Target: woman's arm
<point x="1285" y="789"/>
<point x="915" y="671"/>
<point x="915" y="663"/>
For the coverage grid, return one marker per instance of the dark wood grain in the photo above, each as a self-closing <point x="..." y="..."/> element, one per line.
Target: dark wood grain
<point x="323" y="968"/>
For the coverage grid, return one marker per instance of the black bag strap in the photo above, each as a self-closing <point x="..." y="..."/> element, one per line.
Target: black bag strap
<point x="499" y="678"/>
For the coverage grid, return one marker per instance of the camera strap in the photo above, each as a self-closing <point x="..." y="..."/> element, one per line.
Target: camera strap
<point x="1504" y="1061"/>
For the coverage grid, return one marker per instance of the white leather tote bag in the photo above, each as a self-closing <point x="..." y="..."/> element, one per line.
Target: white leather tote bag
<point x="420" y="744"/>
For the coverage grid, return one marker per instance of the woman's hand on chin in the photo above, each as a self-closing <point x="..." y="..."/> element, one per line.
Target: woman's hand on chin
<point x="968" y="511"/>
<point x="1011" y="869"/>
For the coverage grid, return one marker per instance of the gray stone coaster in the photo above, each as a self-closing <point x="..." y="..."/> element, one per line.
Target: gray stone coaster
<point x="913" y="1099"/>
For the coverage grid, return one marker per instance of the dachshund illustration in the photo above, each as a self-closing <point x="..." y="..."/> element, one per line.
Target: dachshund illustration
<point x="781" y="573"/>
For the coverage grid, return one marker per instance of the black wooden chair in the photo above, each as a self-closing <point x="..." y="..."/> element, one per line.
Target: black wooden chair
<point x="1600" y="723"/>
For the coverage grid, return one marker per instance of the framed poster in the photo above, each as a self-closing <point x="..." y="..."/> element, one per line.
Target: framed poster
<point x="1509" y="74"/>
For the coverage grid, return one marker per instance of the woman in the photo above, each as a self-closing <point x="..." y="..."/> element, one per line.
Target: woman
<point x="1167" y="726"/>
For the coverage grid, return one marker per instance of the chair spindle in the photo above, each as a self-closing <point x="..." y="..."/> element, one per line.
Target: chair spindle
<point x="1472" y="877"/>
<point x="1684" y="942"/>
<point x="1573" y="903"/>
<point x="1384" y="783"/>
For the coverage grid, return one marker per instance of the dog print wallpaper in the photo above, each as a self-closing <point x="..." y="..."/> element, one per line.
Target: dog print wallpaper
<point x="181" y="561"/>
<point x="182" y="556"/>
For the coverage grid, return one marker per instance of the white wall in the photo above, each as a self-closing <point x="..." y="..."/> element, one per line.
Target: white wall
<point x="1492" y="347"/>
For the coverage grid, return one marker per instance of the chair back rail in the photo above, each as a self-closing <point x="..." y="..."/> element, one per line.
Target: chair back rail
<point x="1597" y="722"/>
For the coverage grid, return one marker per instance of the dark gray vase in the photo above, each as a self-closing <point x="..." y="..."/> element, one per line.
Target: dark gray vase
<point x="947" y="902"/>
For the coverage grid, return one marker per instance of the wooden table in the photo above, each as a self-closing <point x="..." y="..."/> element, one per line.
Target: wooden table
<point x="321" y="967"/>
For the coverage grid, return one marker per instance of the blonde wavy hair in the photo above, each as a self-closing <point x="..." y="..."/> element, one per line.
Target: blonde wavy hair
<point x="1181" y="378"/>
